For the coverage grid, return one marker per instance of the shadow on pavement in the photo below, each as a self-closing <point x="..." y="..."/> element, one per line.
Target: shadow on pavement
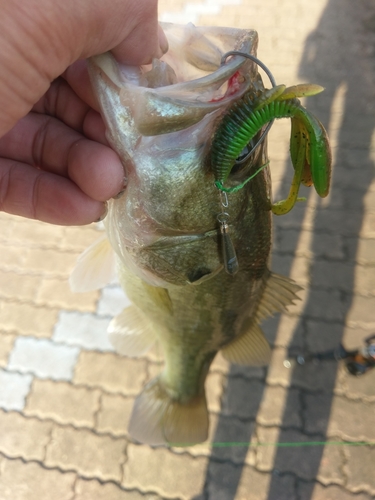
<point x="340" y="55"/>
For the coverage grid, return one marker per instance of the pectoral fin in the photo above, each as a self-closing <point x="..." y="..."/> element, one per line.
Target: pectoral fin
<point x="251" y="348"/>
<point x="131" y="333"/>
<point x="95" y="268"/>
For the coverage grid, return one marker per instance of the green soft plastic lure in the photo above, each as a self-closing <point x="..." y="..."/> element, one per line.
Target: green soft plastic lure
<point x="309" y="146"/>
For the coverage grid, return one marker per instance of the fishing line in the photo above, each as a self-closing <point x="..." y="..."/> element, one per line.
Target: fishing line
<point x="283" y="445"/>
<point x="234" y="189"/>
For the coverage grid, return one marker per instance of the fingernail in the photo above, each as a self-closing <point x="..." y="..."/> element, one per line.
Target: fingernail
<point x="120" y="193"/>
<point x="163" y="42"/>
<point x="104" y="214"/>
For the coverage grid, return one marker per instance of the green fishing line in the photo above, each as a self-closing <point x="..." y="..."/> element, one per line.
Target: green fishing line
<point x="284" y="445"/>
<point x="234" y="189"/>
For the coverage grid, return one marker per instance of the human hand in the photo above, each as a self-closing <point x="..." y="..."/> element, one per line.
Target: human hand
<point x="55" y="164"/>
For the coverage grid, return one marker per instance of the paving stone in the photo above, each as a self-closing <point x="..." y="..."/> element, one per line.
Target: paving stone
<point x="35" y="233"/>
<point x="360" y="469"/>
<point x="79" y="238"/>
<point x="274" y="411"/>
<point x="361" y="250"/>
<point x="83" y="330"/>
<point x="23" y="437"/>
<point x="278" y="372"/>
<point x="27" y="319"/>
<point x="326" y="305"/>
<point x="54" y="263"/>
<point x="229" y="440"/>
<point x="331" y="465"/>
<point x="285" y="331"/>
<point x="214" y="389"/>
<point x="322" y="336"/>
<point x="364" y="280"/>
<point x="83" y="451"/>
<point x="330" y="245"/>
<point x="63" y="403"/>
<point x="248" y="372"/>
<point x="114" y="414"/>
<point x="355" y="337"/>
<point x="6" y="346"/>
<point x="14" y="387"/>
<point x="368" y="225"/>
<point x="361" y="312"/>
<point x="328" y="413"/>
<point x="55" y="292"/>
<point x="245" y="483"/>
<point x="111" y="372"/>
<point x="316" y="491"/>
<point x="301" y="461"/>
<point x="220" y="364"/>
<point x="361" y="388"/>
<point x="12" y="257"/>
<point x="93" y="490"/>
<point x="335" y="221"/>
<point x="31" y="481"/>
<point x="163" y="472"/>
<point x="242" y="397"/>
<point x="299" y="271"/>
<point x="43" y="358"/>
<point x="112" y="301"/>
<point x="333" y="275"/>
<point x="18" y="287"/>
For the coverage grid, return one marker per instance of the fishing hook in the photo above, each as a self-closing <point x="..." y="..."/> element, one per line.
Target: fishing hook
<point x="273" y="83"/>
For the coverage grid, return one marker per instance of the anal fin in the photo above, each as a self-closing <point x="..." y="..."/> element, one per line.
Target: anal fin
<point x="250" y="348"/>
<point x="131" y="333"/>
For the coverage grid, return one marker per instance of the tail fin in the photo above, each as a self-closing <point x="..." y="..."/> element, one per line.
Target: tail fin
<point x="157" y="419"/>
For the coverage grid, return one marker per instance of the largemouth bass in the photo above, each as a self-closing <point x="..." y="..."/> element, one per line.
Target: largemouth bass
<point x="174" y="235"/>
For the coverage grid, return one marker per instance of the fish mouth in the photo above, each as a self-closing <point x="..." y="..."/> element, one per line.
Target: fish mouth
<point x="188" y="82"/>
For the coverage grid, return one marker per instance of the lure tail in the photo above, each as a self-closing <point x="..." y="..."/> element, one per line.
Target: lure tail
<point x="159" y="419"/>
<point x="309" y="146"/>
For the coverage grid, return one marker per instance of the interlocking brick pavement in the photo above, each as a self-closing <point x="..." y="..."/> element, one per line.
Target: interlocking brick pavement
<point x="66" y="396"/>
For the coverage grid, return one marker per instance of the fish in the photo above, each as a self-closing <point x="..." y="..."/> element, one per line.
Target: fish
<point x="194" y="261"/>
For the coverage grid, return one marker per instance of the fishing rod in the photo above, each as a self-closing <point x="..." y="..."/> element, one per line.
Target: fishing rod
<point x="357" y="361"/>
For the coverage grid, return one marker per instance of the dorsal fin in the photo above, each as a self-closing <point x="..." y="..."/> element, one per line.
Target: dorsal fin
<point x="131" y="333"/>
<point x="95" y="267"/>
<point x="279" y="293"/>
<point x="250" y="348"/>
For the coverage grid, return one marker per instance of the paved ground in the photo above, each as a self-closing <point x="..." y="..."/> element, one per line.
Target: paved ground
<point x="65" y="396"/>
